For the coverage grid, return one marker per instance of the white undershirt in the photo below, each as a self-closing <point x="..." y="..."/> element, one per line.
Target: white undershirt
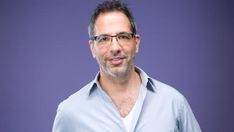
<point x="129" y="118"/>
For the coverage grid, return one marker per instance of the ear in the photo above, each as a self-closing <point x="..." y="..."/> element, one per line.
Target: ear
<point x="91" y="46"/>
<point x="137" y="40"/>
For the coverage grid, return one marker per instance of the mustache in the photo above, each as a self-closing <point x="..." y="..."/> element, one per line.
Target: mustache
<point x="116" y="57"/>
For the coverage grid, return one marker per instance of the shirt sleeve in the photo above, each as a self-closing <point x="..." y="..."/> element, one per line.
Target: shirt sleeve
<point x="61" y="123"/>
<point x="187" y="121"/>
<point x="57" y="122"/>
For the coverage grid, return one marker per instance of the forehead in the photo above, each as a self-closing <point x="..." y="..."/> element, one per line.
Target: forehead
<point x="112" y="23"/>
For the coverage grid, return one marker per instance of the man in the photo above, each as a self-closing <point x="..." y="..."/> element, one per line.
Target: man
<point x="122" y="97"/>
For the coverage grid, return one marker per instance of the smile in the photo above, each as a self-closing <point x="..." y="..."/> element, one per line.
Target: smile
<point x="117" y="60"/>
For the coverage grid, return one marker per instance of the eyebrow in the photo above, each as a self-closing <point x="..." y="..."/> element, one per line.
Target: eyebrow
<point x="124" y="32"/>
<point x="113" y="35"/>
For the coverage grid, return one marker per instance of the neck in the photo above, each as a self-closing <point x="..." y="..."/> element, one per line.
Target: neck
<point x="120" y="85"/>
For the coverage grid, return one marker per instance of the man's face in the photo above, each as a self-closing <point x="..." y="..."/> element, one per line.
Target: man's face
<point x="115" y="58"/>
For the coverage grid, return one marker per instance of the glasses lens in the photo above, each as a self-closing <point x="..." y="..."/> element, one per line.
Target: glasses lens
<point x="103" y="39"/>
<point x="121" y="37"/>
<point x="125" y="37"/>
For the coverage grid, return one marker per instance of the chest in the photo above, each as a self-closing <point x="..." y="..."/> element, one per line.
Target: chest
<point x="125" y="103"/>
<point x="99" y="115"/>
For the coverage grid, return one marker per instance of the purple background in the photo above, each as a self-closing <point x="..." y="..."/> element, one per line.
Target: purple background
<point x="45" y="57"/>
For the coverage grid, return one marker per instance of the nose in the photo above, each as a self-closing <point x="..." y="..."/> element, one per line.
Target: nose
<point x="115" y="47"/>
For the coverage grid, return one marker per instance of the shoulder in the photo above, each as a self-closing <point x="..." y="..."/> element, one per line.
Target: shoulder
<point x="167" y="92"/>
<point x="70" y="109"/>
<point x="169" y="98"/>
<point x="76" y="99"/>
<point x="163" y="87"/>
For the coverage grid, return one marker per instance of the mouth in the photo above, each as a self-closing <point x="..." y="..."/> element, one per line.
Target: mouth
<point x="115" y="61"/>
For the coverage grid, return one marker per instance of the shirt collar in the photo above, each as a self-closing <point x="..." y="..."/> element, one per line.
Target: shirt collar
<point x="147" y="82"/>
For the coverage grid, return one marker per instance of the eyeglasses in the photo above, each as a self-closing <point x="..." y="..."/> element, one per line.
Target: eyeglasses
<point x="107" y="39"/>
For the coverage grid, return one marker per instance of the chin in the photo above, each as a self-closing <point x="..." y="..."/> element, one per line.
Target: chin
<point x="120" y="71"/>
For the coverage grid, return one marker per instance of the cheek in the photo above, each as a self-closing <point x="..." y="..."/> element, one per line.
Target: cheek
<point x="131" y="50"/>
<point x="100" y="54"/>
<point x="96" y="51"/>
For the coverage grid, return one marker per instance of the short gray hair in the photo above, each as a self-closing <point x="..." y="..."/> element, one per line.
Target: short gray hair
<point x="110" y="6"/>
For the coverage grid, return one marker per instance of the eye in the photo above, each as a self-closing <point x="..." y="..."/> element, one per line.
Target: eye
<point x="103" y="38"/>
<point x="124" y="36"/>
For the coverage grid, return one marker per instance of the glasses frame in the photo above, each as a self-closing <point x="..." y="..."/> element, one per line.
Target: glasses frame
<point x="132" y="35"/>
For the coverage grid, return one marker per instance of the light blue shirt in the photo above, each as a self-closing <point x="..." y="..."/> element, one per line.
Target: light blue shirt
<point x="161" y="109"/>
